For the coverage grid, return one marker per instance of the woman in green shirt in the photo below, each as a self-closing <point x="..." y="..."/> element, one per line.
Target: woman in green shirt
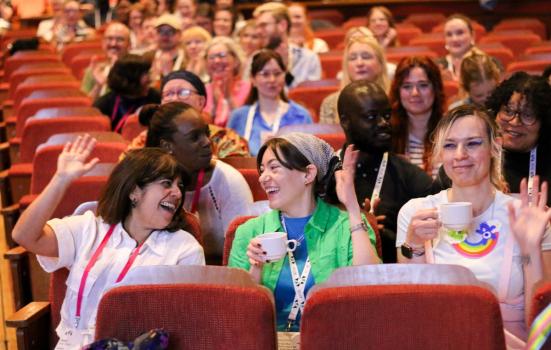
<point x="292" y="168"/>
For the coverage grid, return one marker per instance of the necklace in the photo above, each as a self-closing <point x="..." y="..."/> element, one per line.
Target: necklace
<point x="299" y="239"/>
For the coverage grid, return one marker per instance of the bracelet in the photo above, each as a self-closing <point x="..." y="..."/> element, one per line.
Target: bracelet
<point x="361" y="226"/>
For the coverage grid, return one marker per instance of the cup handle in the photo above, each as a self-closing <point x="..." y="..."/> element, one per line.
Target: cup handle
<point x="294" y="242"/>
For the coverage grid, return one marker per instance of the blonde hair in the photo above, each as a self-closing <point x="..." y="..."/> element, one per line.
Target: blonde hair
<point x="361" y="30"/>
<point x="477" y="67"/>
<point x="233" y="47"/>
<point x="492" y="132"/>
<point x="194" y="32"/>
<point x="382" y="79"/>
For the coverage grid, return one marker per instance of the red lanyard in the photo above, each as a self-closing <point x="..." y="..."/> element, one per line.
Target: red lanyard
<point x="93" y="261"/>
<point x="197" y="193"/>
<point x="121" y="122"/>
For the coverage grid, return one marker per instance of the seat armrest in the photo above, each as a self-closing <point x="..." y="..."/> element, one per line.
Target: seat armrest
<point x="18" y="258"/>
<point x="14" y="150"/>
<point x="5" y="191"/>
<point x="29" y="315"/>
<point x="10" y="215"/>
<point x="32" y="325"/>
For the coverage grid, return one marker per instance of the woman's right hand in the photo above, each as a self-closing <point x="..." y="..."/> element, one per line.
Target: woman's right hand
<point x="424" y="226"/>
<point x="255" y="253"/>
<point x="71" y="163"/>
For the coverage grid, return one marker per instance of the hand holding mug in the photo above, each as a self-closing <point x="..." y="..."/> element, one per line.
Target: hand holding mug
<point x="424" y="226"/>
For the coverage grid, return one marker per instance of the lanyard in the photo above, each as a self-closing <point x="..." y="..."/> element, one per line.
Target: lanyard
<point x="299" y="284"/>
<point x="250" y="118"/>
<point x="379" y="181"/>
<point x="197" y="192"/>
<point x="532" y="173"/>
<point x="93" y="261"/>
<point x="121" y="122"/>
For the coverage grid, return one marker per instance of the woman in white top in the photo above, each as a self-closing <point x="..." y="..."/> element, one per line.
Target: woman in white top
<point x="504" y="244"/>
<point x="417" y="100"/>
<point x="301" y="33"/>
<point x="138" y="224"/>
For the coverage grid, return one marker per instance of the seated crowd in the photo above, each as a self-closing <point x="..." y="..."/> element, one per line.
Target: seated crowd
<point x="208" y="86"/>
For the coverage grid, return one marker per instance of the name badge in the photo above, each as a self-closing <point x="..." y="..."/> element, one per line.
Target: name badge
<point x="288" y="340"/>
<point x="74" y="339"/>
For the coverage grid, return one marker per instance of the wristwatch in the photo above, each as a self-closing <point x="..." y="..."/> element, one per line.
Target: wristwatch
<point x="410" y="252"/>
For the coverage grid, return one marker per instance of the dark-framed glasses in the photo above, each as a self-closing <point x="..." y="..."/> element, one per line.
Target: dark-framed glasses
<point x="527" y="118"/>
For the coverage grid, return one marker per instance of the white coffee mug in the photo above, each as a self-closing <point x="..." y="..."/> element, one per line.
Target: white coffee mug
<point x="456" y="216"/>
<point x="276" y="245"/>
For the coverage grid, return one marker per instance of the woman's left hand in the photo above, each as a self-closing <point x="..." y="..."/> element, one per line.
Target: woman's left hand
<point x="529" y="222"/>
<point x="345" y="179"/>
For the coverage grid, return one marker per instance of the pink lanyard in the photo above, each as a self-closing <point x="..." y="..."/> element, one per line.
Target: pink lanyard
<point x="197" y="193"/>
<point x="93" y="261"/>
<point x="121" y="122"/>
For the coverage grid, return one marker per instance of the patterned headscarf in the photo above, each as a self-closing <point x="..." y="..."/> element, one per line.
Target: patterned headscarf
<point x="317" y="151"/>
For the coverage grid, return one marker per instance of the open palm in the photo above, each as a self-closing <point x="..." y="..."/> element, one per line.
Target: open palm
<point x="71" y="163"/>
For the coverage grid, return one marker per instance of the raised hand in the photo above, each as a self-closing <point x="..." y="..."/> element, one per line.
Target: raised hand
<point x="528" y="223"/>
<point x="71" y="163"/>
<point x="345" y="179"/>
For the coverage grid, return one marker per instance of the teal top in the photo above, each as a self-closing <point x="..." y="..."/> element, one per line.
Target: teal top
<point x="327" y="236"/>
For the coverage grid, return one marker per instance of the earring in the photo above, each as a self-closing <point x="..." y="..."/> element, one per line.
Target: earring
<point x="133" y="202"/>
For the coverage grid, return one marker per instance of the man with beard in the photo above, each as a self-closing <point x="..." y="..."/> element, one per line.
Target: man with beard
<point x="364" y="113"/>
<point x="273" y="24"/>
<point x="115" y="44"/>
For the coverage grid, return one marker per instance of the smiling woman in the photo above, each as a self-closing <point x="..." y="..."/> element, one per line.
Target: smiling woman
<point x="293" y="169"/>
<point x="504" y="241"/>
<point x="139" y="223"/>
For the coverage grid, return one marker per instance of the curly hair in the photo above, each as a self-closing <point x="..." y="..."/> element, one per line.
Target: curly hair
<point x="400" y="118"/>
<point x="535" y="90"/>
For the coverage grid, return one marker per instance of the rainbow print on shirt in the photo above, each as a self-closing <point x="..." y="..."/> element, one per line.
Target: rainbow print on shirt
<point x="482" y="242"/>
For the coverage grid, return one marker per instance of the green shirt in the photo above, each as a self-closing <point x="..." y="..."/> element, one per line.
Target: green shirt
<point x="327" y="237"/>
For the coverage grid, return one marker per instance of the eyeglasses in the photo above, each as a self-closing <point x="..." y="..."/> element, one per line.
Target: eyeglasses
<point x="118" y="39"/>
<point x="220" y="55"/>
<point x="180" y="94"/>
<point x="166" y="31"/>
<point x="421" y="86"/>
<point x="507" y="114"/>
<point x="267" y="74"/>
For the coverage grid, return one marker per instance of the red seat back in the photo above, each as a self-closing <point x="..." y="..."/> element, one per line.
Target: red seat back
<point x="230" y="235"/>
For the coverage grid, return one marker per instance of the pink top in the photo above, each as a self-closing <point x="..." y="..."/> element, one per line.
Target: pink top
<point x="221" y="112"/>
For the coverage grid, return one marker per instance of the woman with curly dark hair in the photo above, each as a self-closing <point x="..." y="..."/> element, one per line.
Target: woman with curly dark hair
<point x="417" y="101"/>
<point x="521" y="106"/>
<point x="129" y="83"/>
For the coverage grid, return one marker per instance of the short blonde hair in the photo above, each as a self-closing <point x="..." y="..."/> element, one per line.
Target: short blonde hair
<point x="492" y="132"/>
<point x="233" y="47"/>
<point x="382" y="79"/>
<point x="196" y="32"/>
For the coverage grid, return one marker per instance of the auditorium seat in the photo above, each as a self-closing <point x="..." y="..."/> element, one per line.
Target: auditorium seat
<point x="333" y="16"/>
<point x="499" y="51"/>
<point x="533" y="24"/>
<point x="331" y="64"/>
<point x="332" y="36"/>
<point x="132" y="128"/>
<point x="358" y="21"/>
<point x="406" y="32"/>
<point x="251" y="176"/>
<point x="311" y="97"/>
<point x="230" y="235"/>
<point x="425" y="21"/>
<point x="80" y="62"/>
<point x="75" y="48"/>
<point x="541" y="47"/>
<point x="434" y="41"/>
<point x="516" y="40"/>
<point x="396" y="54"/>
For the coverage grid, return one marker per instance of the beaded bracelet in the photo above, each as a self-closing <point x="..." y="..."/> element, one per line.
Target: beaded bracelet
<point x="361" y="226"/>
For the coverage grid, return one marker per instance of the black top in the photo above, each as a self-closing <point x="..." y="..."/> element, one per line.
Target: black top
<point x="402" y="182"/>
<point x="127" y="105"/>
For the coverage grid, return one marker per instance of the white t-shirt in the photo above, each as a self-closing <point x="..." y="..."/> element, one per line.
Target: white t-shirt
<point x="483" y="249"/>
<point x="226" y="196"/>
<point x="78" y="238"/>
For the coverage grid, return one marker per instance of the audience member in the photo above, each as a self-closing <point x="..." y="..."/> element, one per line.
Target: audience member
<point x="381" y="23"/>
<point x="301" y="33"/>
<point x="365" y="114"/>
<point x="292" y="170"/>
<point x="226" y="90"/>
<point x="205" y="17"/>
<point x="138" y="211"/>
<point x="363" y="58"/>
<point x="147" y="40"/>
<point x="225" y="19"/>
<point x="503" y="246"/>
<point x="47" y="27"/>
<point x="522" y="109"/>
<point x="249" y="39"/>
<point x="267" y="108"/>
<point x="273" y="24"/>
<point x="195" y="40"/>
<point x="135" y="21"/>
<point x="417" y="100"/>
<point x="186" y="10"/>
<point x="169" y="56"/>
<point x="479" y="77"/>
<point x="547" y="74"/>
<point x="115" y="44"/>
<point x="459" y="33"/>
<point x="72" y="26"/>
<point x="129" y="83"/>
<point x="217" y="192"/>
<point x="184" y="86"/>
